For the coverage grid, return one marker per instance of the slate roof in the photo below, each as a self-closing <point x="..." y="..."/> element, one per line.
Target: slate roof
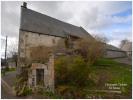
<point x="111" y="47"/>
<point x="39" y="23"/>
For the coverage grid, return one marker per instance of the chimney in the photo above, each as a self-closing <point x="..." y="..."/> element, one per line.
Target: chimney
<point x="24" y="4"/>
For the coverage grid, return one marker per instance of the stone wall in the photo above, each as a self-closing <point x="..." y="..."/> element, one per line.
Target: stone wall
<point x="28" y="39"/>
<point x="30" y="52"/>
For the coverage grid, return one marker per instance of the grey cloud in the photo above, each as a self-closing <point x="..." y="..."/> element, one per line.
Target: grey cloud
<point x="90" y="17"/>
<point x="46" y="7"/>
<point x="10" y="15"/>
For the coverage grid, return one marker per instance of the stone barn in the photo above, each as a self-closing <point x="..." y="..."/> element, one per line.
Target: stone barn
<point x="38" y="35"/>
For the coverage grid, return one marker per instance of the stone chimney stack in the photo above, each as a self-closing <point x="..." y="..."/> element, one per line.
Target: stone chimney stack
<point x="24" y="4"/>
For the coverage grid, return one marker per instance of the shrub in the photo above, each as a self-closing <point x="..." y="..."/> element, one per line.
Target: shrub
<point x="39" y="90"/>
<point x="71" y="70"/>
<point x="68" y="91"/>
<point x="51" y="95"/>
<point x="21" y="82"/>
<point x="90" y="49"/>
<point x="27" y="91"/>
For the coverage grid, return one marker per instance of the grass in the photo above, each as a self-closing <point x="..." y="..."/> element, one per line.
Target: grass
<point x="11" y="69"/>
<point x="108" y="71"/>
<point x="3" y="72"/>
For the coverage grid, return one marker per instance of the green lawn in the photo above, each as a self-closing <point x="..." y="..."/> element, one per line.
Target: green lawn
<point x="107" y="71"/>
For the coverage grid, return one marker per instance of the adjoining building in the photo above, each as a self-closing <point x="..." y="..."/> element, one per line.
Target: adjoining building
<point x="114" y="52"/>
<point x="127" y="47"/>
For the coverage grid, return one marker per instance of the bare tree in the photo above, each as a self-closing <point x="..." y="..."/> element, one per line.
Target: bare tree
<point x="102" y="39"/>
<point x="123" y="42"/>
<point x="91" y="49"/>
<point x="12" y="52"/>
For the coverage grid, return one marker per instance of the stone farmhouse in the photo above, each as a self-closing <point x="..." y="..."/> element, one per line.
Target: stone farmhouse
<point x="37" y="34"/>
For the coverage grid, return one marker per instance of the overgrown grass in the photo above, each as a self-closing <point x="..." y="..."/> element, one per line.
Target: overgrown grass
<point x="102" y="72"/>
<point x="108" y="71"/>
<point x="12" y="69"/>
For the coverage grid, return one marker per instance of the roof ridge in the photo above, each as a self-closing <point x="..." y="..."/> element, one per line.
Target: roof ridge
<point x="50" y="17"/>
<point x="85" y="32"/>
<point x="38" y="22"/>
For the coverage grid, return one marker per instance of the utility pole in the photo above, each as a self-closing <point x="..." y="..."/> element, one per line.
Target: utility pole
<point x="6" y="53"/>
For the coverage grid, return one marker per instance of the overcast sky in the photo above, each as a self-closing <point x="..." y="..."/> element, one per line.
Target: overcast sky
<point x="111" y="19"/>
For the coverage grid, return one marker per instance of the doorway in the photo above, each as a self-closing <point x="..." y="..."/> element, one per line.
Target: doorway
<point x="40" y="77"/>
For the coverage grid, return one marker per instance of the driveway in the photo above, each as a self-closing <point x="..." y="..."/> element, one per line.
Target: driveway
<point x="7" y="83"/>
<point x="10" y="78"/>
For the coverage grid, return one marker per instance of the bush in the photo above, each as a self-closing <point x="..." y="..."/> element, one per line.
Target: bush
<point x="90" y="49"/>
<point x="27" y="91"/>
<point x="71" y="70"/>
<point x="21" y="82"/>
<point x="68" y="91"/>
<point x="51" y="95"/>
<point x="43" y="93"/>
